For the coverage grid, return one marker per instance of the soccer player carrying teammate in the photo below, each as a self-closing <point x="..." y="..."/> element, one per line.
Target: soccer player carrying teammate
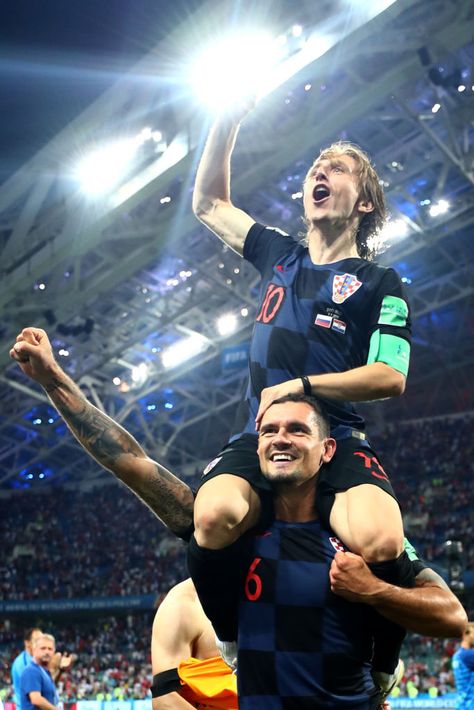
<point x="330" y="323"/>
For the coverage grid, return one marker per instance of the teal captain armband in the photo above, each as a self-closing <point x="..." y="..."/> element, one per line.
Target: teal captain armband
<point x="393" y="311"/>
<point x="390" y="349"/>
<point x="410" y="550"/>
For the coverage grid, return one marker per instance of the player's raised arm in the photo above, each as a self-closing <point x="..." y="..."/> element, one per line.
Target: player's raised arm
<point x="105" y="440"/>
<point x="211" y="198"/>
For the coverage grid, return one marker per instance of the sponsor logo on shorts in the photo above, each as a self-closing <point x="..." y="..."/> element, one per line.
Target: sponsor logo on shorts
<point x="337" y="544"/>
<point x="211" y="465"/>
<point x="323" y="321"/>
<point x="344" y="286"/>
<point x="339" y="326"/>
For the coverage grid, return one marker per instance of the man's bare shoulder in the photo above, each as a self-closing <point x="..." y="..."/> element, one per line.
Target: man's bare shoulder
<point x="182" y="611"/>
<point x="182" y="602"/>
<point x="183" y="593"/>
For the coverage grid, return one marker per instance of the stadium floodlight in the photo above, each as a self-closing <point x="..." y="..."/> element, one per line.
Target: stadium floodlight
<point x="102" y="169"/>
<point x="393" y="231"/>
<point x="234" y="68"/>
<point x="140" y="374"/>
<point x="440" y="207"/>
<point x="226" y="324"/>
<point x="183" y="350"/>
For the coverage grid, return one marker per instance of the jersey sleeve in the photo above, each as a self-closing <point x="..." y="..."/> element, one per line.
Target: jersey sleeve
<point x="15" y="673"/>
<point x="418" y="564"/>
<point x="265" y="247"/>
<point x="30" y="680"/>
<point x="468" y="657"/>
<point x="390" y="324"/>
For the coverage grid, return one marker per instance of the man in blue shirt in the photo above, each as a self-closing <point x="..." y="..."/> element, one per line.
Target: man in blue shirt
<point x="22" y="660"/>
<point x="463" y="668"/>
<point x="37" y="688"/>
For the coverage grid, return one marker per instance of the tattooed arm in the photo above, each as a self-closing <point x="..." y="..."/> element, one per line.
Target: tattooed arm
<point x="105" y="440"/>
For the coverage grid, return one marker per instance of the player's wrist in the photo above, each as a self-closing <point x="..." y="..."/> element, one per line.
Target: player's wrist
<point x="52" y="377"/>
<point x="380" y="593"/>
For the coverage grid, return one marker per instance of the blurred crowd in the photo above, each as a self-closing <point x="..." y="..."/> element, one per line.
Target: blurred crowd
<point x="433" y="464"/>
<point x="113" y="656"/>
<point x="68" y="544"/>
<point x="427" y="666"/>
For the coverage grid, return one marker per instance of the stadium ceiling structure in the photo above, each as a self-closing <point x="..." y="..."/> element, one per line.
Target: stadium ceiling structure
<point x="119" y="280"/>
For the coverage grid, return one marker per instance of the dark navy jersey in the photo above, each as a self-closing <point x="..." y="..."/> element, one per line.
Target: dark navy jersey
<point x="300" y="645"/>
<point x="313" y="319"/>
<point x="463" y="669"/>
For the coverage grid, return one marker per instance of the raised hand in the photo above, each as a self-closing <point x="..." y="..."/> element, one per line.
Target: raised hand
<point x="34" y="354"/>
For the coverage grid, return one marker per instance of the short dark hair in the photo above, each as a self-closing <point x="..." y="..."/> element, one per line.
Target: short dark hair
<point x="319" y="411"/>
<point x="29" y="633"/>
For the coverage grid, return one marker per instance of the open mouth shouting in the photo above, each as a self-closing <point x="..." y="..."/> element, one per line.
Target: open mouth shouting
<point x="321" y="193"/>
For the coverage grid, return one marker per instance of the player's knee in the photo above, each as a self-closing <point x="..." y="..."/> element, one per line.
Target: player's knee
<point x="217" y="526"/>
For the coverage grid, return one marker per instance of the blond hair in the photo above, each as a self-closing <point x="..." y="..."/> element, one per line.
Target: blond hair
<point x="371" y="190"/>
<point x="48" y="637"/>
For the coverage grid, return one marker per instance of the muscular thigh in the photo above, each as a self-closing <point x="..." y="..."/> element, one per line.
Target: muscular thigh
<point x="352" y="466"/>
<point x="232" y="485"/>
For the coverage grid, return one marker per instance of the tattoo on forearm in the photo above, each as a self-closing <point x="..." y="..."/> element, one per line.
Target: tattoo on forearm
<point x="53" y="385"/>
<point x="100" y="435"/>
<point x="165" y="494"/>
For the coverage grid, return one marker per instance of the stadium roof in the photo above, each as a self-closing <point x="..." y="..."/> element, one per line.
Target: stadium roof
<point x="117" y="281"/>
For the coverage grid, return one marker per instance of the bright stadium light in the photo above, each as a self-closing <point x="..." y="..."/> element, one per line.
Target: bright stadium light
<point x="234" y="68"/>
<point x="226" y="324"/>
<point x="393" y="231"/>
<point x="183" y="350"/>
<point x="140" y="374"/>
<point x="440" y="207"/>
<point x="100" y="171"/>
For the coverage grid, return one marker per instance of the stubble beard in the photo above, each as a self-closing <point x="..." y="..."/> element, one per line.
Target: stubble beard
<point x="281" y="478"/>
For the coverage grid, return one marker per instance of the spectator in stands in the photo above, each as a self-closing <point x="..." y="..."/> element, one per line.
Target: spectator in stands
<point x="22" y="660"/>
<point x="37" y="687"/>
<point x="463" y="667"/>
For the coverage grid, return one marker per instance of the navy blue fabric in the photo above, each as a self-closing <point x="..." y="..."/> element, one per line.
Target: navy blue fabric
<point x="300" y="646"/>
<point x="288" y="342"/>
